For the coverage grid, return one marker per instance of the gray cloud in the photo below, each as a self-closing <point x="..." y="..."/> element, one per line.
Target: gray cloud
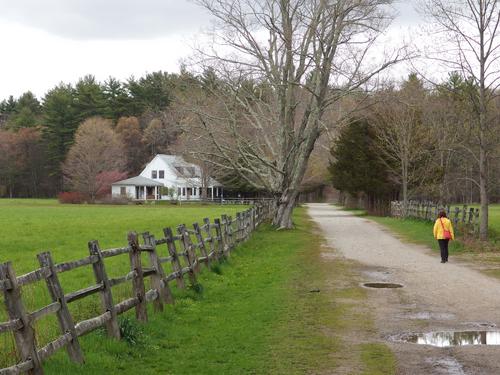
<point x="106" y="19"/>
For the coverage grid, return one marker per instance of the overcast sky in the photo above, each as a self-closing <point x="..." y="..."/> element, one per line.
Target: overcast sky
<point x="44" y="42"/>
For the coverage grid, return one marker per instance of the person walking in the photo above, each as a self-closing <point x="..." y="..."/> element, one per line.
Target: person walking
<point x="443" y="233"/>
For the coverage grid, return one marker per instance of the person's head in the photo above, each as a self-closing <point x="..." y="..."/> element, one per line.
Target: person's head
<point x="442" y="213"/>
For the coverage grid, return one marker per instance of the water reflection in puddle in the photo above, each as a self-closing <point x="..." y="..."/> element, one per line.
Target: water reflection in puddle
<point x="447" y="339"/>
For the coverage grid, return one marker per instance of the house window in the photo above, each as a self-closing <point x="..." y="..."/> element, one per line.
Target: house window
<point x="189" y="191"/>
<point x="123" y="191"/>
<point x="153" y="174"/>
<point x="161" y="174"/>
<point x="179" y="191"/>
<point x="194" y="191"/>
<point x="184" y="192"/>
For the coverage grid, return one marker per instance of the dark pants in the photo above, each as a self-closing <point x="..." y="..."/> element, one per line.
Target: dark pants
<point x="443" y="245"/>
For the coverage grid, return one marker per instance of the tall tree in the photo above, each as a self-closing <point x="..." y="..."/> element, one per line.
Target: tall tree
<point x="60" y="123"/>
<point x="152" y="92"/>
<point x="403" y="137"/>
<point x="89" y="98"/>
<point x="472" y="48"/>
<point x="303" y="56"/>
<point x="130" y="133"/>
<point x="118" y="101"/>
<point x="26" y="112"/>
<point x="356" y="166"/>
<point x="97" y="150"/>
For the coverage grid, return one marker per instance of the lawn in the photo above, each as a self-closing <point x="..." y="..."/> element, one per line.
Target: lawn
<point x="29" y="227"/>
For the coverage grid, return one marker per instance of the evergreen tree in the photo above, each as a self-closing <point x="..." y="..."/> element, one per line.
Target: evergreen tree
<point x="89" y="98"/>
<point x="61" y="120"/>
<point x="152" y="92"/>
<point x="118" y="101"/>
<point x="356" y="166"/>
<point x="26" y="112"/>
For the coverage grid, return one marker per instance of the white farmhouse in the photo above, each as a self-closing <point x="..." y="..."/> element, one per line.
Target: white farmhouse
<point x="168" y="177"/>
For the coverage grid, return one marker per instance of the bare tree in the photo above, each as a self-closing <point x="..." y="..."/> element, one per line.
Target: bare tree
<point x="281" y="64"/>
<point x="472" y="48"/>
<point x="403" y="138"/>
<point x="97" y="149"/>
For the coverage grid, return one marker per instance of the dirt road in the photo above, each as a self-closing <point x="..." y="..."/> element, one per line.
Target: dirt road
<point x="435" y="296"/>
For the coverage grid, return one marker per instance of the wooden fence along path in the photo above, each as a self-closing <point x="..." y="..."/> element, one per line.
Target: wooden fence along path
<point x="465" y="219"/>
<point x="187" y="251"/>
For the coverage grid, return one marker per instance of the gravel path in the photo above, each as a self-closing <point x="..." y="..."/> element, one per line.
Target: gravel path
<point x="438" y="296"/>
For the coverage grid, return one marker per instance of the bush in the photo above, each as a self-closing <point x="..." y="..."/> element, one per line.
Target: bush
<point x="72" y="197"/>
<point x="130" y="330"/>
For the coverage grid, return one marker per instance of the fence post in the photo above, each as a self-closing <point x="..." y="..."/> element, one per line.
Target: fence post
<point x="476" y="222"/>
<point x="456" y="219"/>
<point x="190" y="257"/>
<point x="101" y="277"/>
<point x="238" y="227"/>
<point x="172" y="250"/>
<point x="225" y="233"/>
<point x="138" y="288"/>
<point x="188" y="248"/>
<point x="201" y="243"/>
<point x="157" y="279"/>
<point x="63" y="315"/>
<point x="206" y="221"/>
<point x="220" y="240"/>
<point x="230" y="233"/>
<point x="24" y="336"/>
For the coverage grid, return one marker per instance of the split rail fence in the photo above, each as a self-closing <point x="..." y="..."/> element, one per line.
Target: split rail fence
<point x="465" y="219"/>
<point x="187" y="251"/>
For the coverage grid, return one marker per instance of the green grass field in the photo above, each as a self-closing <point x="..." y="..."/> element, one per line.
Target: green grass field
<point x="255" y="314"/>
<point x="30" y="226"/>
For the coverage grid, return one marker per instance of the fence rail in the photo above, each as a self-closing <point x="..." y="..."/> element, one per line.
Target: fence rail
<point x="465" y="219"/>
<point x="186" y="251"/>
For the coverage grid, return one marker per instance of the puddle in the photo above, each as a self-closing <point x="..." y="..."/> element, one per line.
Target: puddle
<point x="450" y="338"/>
<point x="382" y="285"/>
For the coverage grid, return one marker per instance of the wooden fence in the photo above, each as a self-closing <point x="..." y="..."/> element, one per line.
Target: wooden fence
<point x="465" y="219"/>
<point x="187" y="251"/>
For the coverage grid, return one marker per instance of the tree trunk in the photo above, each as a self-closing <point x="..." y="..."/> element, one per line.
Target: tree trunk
<point x="483" y="194"/>
<point x="404" y="171"/>
<point x="286" y="203"/>
<point x="293" y="179"/>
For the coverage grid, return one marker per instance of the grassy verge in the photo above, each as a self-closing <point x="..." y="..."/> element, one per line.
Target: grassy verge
<point x="276" y="307"/>
<point x="417" y="231"/>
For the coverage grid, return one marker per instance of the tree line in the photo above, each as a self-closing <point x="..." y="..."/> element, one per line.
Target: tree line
<point x="37" y="134"/>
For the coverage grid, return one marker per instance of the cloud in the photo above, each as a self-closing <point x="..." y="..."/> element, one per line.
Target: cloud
<point x="106" y="19"/>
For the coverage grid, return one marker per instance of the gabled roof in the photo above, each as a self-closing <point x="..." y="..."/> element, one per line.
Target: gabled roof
<point x="138" y="181"/>
<point x="175" y="161"/>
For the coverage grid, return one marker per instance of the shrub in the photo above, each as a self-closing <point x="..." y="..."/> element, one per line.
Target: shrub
<point x="72" y="197"/>
<point x="130" y="330"/>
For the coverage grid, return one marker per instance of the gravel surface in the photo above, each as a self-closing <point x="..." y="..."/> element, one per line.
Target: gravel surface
<point x="435" y="296"/>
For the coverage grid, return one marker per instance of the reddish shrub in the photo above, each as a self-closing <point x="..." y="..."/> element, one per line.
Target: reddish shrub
<point x="72" y="197"/>
<point x="105" y="179"/>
